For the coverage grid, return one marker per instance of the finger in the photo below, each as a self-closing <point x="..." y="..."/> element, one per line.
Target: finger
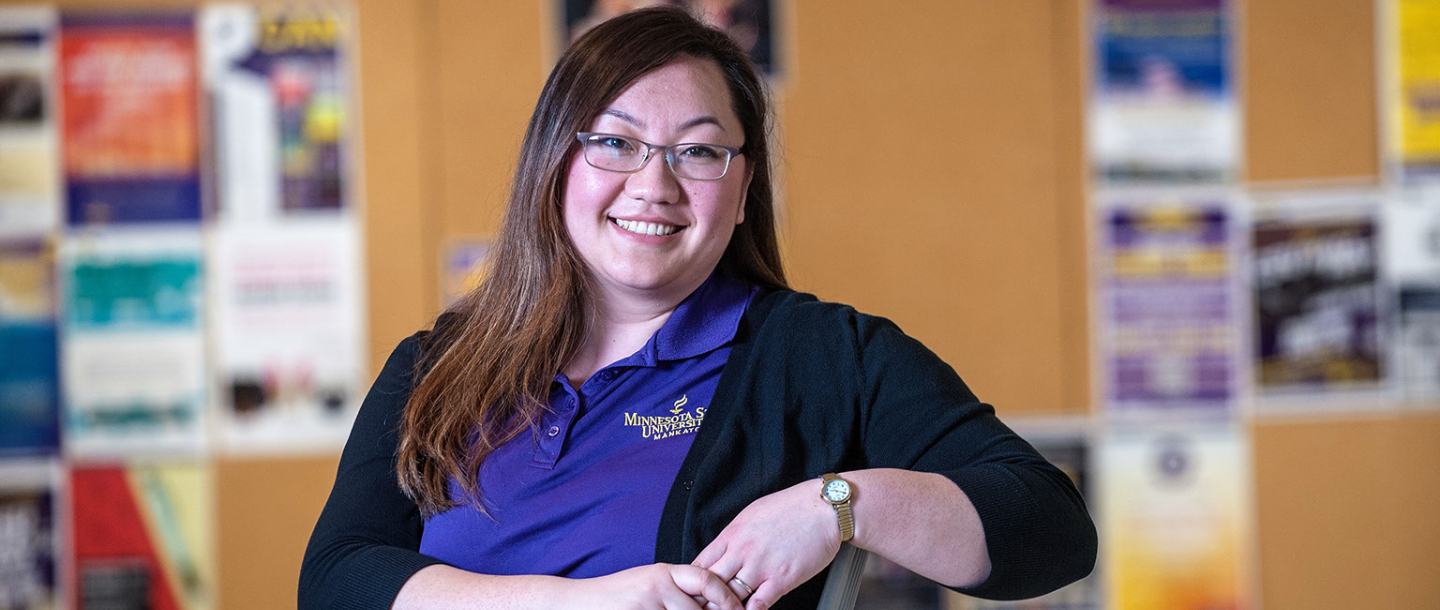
<point x="698" y="582"/>
<point x="765" y="596"/>
<point x="710" y="554"/>
<point x="674" y="599"/>
<point x="740" y="587"/>
<point x="727" y="566"/>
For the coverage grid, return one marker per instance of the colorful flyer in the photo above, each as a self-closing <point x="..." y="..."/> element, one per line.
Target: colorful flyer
<point x="1175" y="520"/>
<point x="29" y="157"/>
<point x="29" y="552"/>
<point x="1413" y="88"/>
<point x="750" y="23"/>
<point x="462" y="267"/>
<point x="132" y="344"/>
<point x="1317" y="293"/>
<point x="288" y="325"/>
<point x="1163" y="108"/>
<point x="131" y="132"/>
<point x="278" y="85"/>
<point x="1412" y="260"/>
<point x="29" y="373"/>
<point x="1167" y="302"/>
<point x="143" y="536"/>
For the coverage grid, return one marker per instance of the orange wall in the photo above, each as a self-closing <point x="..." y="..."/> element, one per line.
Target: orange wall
<point x="962" y="219"/>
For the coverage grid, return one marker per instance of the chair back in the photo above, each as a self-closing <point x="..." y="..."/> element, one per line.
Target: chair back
<point x="843" y="583"/>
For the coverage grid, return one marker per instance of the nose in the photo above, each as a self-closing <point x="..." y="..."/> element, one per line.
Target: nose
<point x="653" y="182"/>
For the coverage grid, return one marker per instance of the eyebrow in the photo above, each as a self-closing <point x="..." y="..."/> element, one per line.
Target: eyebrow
<point x="700" y="120"/>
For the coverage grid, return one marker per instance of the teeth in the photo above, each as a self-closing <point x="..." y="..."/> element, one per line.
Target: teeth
<point x="646" y="228"/>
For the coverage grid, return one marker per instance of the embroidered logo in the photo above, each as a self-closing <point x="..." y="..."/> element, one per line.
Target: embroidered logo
<point x="679" y="421"/>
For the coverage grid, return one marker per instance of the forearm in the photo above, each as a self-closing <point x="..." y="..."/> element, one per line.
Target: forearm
<point x="920" y="520"/>
<point x="441" y="587"/>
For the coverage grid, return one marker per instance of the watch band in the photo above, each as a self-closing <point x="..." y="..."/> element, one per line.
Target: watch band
<point x="842" y="507"/>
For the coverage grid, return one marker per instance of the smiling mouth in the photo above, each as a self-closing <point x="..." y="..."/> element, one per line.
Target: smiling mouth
<point x="646" y="228"/>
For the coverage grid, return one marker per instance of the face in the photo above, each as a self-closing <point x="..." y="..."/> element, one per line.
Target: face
<point x="650" y="233"/>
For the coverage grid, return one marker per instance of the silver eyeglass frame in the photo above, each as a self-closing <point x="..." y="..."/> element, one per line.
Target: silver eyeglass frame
<point x="585" y="136"/>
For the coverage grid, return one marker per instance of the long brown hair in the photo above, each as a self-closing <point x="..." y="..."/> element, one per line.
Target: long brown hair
<point x="488" y="377"/>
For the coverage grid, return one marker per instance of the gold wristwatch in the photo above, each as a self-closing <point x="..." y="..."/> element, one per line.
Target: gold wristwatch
<point x="836" y="491"/>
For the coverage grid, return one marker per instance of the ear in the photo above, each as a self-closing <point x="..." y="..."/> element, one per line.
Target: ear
<point x="745" y="191"/>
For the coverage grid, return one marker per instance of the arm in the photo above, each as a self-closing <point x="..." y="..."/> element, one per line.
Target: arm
<point x="1035" y="528"/>
<point x="954" y="495"/>
<point x="364" y="552"/>
<point x="365" y="543"/>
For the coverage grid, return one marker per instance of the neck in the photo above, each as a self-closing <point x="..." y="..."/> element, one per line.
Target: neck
<point x="621" y="323"/>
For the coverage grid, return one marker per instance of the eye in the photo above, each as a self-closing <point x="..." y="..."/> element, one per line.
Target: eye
<point x="614" y="145"/>
<point x="701" y="152"/>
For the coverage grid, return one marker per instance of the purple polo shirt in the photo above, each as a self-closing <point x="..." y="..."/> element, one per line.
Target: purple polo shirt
<point x="583" y="497"/>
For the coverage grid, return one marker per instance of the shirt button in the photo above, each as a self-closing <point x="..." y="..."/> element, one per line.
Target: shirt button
<point x="554" y="430"/>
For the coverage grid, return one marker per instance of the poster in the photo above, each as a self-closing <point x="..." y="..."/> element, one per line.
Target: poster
<point x="29" y="157"/>
<point x="1070" y="452"/>
<point x="289" y="333"/>
<point x="29" y="374"/>
<point x="1412" y="259"/>
<point x="1317" y="294"/>
<point x="1164" y="107"/>
<point x="1169" y="326"/>
<point x="131" y="132"/>
<point x="28" y="549"/>
<point x="1175" y="521"/>
<point x="1413" y="96"/>
<point x="750" y="23"/>
<point x="462" y="261"/>
<point x="132" y="348"/>
<point x="278" y="86"/>
<point x="143" y="536"/>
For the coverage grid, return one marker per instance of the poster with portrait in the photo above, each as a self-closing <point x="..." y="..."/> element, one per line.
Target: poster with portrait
<point x="132" y="343"/>
<point x="751" y="23"/>
<point x="1412" y="260"/>
<point x="143" y="535"/>
<point x="1175" y="520"/>
<point x="1167" y="303"/>
<point x="29" y="551"/>
<point x="29" y="157"/>
<point x="278" y="88"/>
<point x="1317" y="304"/>
<point x="1068" y="450"/>
<point x="1411" y="40"/>
<point x="1163" y="107"/>
<point x="29" y="373"/>
<point x="288" y="327"/>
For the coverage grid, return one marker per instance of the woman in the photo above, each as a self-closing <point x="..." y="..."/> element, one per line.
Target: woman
<point x="633" y="411"/>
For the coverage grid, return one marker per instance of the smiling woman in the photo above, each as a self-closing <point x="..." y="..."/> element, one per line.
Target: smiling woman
<point x="634" y="411"/>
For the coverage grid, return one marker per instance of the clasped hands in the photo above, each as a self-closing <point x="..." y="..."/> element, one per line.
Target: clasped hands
<point x="776" y="543"/>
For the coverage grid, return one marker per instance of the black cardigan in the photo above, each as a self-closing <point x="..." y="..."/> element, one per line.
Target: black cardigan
<point x="809" y="388"/>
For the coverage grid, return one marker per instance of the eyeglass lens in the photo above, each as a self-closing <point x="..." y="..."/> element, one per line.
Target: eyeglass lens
<point x="695" y="161"/>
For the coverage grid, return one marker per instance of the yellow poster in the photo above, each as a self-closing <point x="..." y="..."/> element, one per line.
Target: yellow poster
<point x="1417" y="100"/>
<point x="1175" y="520"/>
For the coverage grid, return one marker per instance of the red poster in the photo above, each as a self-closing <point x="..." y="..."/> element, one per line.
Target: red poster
<point x="131" y="135"/>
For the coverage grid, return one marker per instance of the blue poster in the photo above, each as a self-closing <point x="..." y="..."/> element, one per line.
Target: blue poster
<point x="29" y="375"/>
<point x="1164" y="108"/>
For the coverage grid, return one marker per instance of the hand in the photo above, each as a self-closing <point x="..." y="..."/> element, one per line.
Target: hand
<point x="660" y="586"/>
<point x="778" y="542"/>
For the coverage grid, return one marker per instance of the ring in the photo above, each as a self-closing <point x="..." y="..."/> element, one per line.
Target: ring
<point x="748" y="590"/>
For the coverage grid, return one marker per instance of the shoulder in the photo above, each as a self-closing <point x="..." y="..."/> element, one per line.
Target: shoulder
<point x="787" y="312"/>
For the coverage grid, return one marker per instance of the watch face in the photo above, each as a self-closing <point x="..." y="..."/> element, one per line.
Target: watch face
<point x="837" y="490"/>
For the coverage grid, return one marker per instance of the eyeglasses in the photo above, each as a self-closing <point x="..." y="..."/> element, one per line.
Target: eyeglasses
<point x="627" y="155"/>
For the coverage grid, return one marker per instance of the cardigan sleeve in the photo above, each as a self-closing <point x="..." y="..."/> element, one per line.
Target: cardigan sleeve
<point x="919" y="415"/>
<point x="365" y="544"/>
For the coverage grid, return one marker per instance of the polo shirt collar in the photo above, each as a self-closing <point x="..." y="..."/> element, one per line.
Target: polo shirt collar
<point x="703" y="322"/>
